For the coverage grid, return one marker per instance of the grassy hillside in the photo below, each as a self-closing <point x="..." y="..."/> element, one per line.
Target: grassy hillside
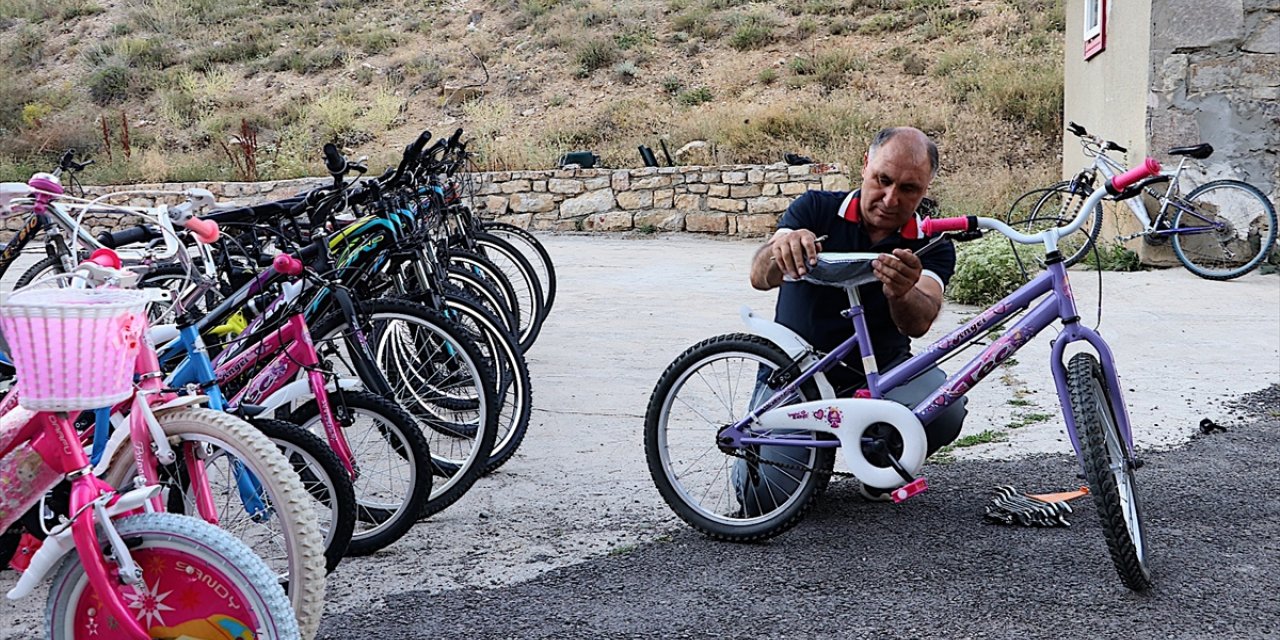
<point x="171" y="89"/>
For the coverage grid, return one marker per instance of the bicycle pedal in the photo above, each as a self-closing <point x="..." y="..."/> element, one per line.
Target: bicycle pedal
<point x="915" y="487"/>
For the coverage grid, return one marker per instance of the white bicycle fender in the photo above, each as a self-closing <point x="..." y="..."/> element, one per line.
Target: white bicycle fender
<point x="300" y="390"/>
<point x="847" y="419"/>
<point x="790" y="342"/>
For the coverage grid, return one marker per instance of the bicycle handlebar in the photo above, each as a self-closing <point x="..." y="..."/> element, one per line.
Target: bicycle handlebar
<point x="1149" y="167"/>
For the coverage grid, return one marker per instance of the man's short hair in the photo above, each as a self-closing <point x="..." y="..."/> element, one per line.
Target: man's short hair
<point x="885" y="135"/>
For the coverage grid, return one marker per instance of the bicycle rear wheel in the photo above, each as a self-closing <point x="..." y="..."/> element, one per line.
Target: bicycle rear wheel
<point x="1227" y="231"/>
<point x="709" y="386"/>
<point x="1109" y="470"/>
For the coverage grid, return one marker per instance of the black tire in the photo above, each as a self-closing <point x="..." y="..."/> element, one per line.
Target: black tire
<point x="499" y="348"/>
<point x="1242" y="243"/>
<point x="46" y="266"/>
<point x="523" y="279"/>
<point x="1057" y="207"/>
<point x="390" y="438"/>
<point x="465" y="282"/>
<point x="324" y="478"/>
<point x="489" y="272"/>
<point x="434" y="385"/>
<point x="532" y="249"/>
<point x="722" y="517"/>
<point x="1109" y="471"/>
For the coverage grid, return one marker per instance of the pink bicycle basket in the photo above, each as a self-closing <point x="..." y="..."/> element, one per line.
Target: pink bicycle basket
<point x="73" y="349"/>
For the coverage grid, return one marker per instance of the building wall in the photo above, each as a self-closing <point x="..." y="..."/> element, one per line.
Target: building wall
<point x="1216" y="78"/>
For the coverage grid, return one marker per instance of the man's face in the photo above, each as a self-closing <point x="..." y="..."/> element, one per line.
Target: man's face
<point x="894" y="180"/>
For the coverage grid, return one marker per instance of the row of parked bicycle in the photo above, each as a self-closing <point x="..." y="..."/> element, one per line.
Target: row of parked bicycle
<point x="316" y="375"/>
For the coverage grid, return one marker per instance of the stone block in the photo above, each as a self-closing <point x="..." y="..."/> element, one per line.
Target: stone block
<point x="835" y="182"/>
<point x="769" y="189"/>
<point x="744" y="191"/>
<point x="755" y="176"/>
<point x="734" y="177"/>
<point x="757" y="225"/>
<point x="523" y="220"/>
<point x="500" y="176"/>
<point x="495" y="206"/>
<point x="775" y="176"/>
<point x="792" y="188"/>
<point x="767" y="205"/>
<point x="688" y="202"/>
<point x="798" y="170"/>
<point x="1172" y="74"/>
<point x="1264" y="37"/>
<point x="697" y="188"/>
<point x="516" y="186"/>
<point x="643" y="172"/>
<point x="706" y="222"/>
<point x="612" y="221"/>
<point x="652" y="182"/>
<point x="726" y="204"/>
<point x="596" y="182"/>
<point x="662" y="198"/>
<point x="660" y="220"/>
<point x="631" y="200"/>
<point x="567" y="187"/>
<point x="1195" y="24"/>
<point x="621" y="180"/>
<point x="539" y="186"/>
<point x="718" y="190"/>
<point x="532" y="202"/>
<point x="588" y="203"/>
<point x="711" y="176"/>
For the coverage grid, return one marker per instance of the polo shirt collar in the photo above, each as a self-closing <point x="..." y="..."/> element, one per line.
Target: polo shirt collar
<point x="850" y="211"/>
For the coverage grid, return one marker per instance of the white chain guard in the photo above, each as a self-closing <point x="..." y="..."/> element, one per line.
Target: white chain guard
<point x="848" y="419"/>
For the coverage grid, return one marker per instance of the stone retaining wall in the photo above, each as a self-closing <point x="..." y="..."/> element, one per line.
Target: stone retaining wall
<point x="739" y="200"/>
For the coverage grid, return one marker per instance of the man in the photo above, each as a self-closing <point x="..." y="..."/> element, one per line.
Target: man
<point x="879" y="217"/>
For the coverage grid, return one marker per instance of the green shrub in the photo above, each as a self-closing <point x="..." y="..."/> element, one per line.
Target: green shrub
<point x="752" y="32"/>
<point x="672" y="85"/>
<point x="595" y="54"/>
<point x="829" y="69"/>
<point x="1113" y="257"/>
<point x="987" y="270"/>
<point x="110" y="84"/>
<point x="768" y="75"/>
<point x="695" y="96"/>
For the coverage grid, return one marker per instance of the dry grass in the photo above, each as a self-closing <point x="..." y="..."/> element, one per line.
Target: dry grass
<point x="753" y="79"/>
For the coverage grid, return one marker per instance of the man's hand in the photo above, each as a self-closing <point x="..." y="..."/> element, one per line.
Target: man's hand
<point x="795" y="252"/>
<point x="899" y="272"/>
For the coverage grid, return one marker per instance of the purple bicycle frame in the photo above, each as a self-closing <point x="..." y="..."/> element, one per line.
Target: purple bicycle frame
<point x="1059" y="304"/>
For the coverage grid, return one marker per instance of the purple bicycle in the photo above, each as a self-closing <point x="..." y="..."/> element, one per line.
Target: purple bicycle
<point x="725" y="407"/>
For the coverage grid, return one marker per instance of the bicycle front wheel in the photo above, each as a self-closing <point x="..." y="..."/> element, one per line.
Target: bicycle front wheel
<point x="258" y="496"/>
<point x="1226" y="229"/>
<point x="1057" y="207"/>
<point x="708" y="387"/>
<point x="197" y="582"/>
<point x="533" y="250"/>
<point x="1109" y="471"/>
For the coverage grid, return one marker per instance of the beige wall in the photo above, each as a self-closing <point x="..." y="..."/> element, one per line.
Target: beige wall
<point x="1108" y="94"/>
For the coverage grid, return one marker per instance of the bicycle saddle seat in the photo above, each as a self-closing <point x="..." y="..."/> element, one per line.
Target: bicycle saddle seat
<point x="842" y="270"/>
<point x="1199" y="151"/>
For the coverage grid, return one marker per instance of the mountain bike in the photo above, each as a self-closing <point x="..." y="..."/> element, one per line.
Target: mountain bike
<point x="724" y="408"/>
<point x="1219" y="230"/>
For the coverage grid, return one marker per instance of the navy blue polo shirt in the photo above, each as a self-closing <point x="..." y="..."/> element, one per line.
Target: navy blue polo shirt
<point x="813" y="311"/>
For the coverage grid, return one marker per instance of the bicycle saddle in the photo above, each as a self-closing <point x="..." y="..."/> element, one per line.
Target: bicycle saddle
<point x="842" y="270"/>
<point x="1199" y="151"/>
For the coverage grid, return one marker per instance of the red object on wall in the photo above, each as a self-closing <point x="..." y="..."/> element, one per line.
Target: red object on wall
<point x="1095" y="38"/>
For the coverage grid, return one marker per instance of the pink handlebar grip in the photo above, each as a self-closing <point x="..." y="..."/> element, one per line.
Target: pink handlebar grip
<point x="286" y="264"/>
<point x="206" y="230"/>
<point x="105" y="258"/>
<point x="1149" y="167"/>
<point x="934" y="226"/>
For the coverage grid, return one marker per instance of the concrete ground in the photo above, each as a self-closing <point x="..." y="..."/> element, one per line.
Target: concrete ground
<point x="579" y="488"/>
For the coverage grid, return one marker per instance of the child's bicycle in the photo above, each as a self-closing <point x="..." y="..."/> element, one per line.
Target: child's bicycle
<point x="134" y="573"/>
<point x="724" y="408"/>
<point x="1219" y="230"/>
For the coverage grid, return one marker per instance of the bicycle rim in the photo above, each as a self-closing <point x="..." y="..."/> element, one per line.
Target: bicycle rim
<point x="1228" y="232"/>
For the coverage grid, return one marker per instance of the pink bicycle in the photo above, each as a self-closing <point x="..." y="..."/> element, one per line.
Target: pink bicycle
<point x="134" y="573"/>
